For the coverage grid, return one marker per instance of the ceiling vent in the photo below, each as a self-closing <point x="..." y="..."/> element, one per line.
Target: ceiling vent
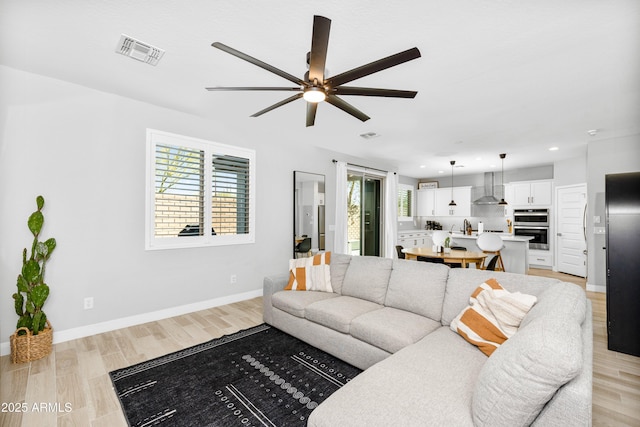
<point x="141" y="51"/>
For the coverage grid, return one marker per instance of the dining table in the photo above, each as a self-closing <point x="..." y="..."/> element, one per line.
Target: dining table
<point x="453" y="257"/>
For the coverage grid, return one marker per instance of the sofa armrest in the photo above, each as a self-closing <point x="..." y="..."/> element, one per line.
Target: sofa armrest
<point x="271" y="285"/>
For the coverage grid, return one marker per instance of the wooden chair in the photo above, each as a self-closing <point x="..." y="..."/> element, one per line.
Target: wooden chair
<point x="304" y="248"/>
<point x="491" y="243"/>
<point x="401" y="254"/>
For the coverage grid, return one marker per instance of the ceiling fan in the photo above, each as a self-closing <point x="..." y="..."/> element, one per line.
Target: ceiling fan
<point x="314" y="87"/>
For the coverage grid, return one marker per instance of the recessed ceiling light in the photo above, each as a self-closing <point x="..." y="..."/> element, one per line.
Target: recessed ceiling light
<point x="423" y="166"/>
<point x="369" y="135"/>
<point x="440" y="171"/>
<point x="592" y="132"/>
<point x="478" y="158"/>
<point x="492" y="166"/>
<point x="554" y="149"/>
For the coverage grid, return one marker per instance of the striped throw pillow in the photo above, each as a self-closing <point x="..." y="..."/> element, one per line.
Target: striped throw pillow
<point x="310" y="274"/>
<point x="493" y="316"/>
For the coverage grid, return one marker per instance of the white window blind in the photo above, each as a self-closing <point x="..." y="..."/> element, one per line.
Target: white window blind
<point x="405" y="202"/>
<point x="194" y="186"/>
<point x="230" y="195"/>
<point x="179" y="191"/>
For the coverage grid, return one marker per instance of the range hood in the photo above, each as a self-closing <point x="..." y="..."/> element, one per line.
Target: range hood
<point x="488" y="198"/>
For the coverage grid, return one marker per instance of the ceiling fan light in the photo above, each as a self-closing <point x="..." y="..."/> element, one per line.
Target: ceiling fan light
<point x="314" y="94"/>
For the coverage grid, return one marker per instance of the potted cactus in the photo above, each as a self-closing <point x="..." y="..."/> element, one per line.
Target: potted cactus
<point x="447" y="245"/>
<point x="34" y="336"/>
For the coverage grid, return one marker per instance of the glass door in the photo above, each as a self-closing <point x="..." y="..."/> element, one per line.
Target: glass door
<point x="364" y="213"/>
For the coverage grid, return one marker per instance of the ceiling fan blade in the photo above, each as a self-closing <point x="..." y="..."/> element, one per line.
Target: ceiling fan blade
<point x="223" y="88"/>
<point x="279" y="104"/>
<point x="259" y="63"/>
<point x="312" y="107"/>
<point x="368" y="91"/>
<point x="346" y="107"/>
<point x="373" y="67"/>
<point x="319" y="45"/>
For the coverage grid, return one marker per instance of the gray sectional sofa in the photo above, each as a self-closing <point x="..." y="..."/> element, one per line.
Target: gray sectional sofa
<point x="391" y="318"/>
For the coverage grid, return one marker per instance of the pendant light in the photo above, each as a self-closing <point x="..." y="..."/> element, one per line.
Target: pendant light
<point x="453" y="162"/>
<point x="503" y="202"/>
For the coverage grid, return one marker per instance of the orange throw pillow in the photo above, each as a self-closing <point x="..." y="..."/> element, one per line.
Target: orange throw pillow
<point x="493" y="316"/>
<point x="310" y="274"/>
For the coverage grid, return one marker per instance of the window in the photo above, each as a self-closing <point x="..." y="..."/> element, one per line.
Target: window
<point x="405" y="202"/>
<point x="194" y="186"/>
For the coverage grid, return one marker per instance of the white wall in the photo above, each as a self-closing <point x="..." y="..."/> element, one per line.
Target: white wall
<point x="605" y="156"/>
<point x="84" y="151"/>
<point x="570" y="171"/>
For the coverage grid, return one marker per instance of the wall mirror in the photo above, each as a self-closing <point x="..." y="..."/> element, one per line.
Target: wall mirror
<point x="308" y="213"/>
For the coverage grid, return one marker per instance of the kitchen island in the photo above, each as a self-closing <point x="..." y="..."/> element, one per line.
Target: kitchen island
<point x="515" y="254"/>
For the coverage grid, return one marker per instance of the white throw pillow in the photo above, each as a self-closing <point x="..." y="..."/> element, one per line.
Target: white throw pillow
<point x="493" y="316"/>
<point x="310" y="274"/>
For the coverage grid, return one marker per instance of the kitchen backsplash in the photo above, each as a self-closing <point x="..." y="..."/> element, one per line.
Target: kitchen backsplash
<point x="492" y="217"/>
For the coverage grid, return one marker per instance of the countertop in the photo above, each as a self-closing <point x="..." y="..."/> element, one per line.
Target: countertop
<point x="458" y="235"/>
<point x="505" y="236"/>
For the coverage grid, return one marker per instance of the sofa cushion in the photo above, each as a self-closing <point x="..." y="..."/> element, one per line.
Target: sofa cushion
<point x="391" y="329"/>
<point x="417" y="287"/>
<point x="493" y="316"/>
<point x="415" y="386"/>
<point x="566" y="299"/>
<point x="310" y="273"/>
<point x="339" y="265"/>
<point x="367" y="278"/>
<point x="526" y="371"/>
<point x="462" y="282"/>
<point x="295" y="303"/>
<point x="338" y="313"/>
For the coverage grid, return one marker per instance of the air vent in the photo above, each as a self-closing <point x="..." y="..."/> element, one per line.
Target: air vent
<point x="141" y="51"/>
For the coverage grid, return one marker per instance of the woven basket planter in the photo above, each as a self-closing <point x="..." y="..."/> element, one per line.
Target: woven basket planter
<point x="28" y="347"/>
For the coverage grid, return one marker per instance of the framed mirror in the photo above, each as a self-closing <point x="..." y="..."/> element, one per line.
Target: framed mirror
<point x="308" y="213"/>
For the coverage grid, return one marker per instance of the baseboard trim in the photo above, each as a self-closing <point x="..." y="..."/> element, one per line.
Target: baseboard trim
<point x="596" y="288"/>
<point x="125" y="322"/>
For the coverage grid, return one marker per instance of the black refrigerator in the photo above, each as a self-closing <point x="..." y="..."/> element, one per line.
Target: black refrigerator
<point x="622" y="202"/>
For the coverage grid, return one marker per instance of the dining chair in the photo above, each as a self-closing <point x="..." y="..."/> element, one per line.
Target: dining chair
<point x="439" y="236"/>
<point x="429" y="259"/>
<point x="491" y="243"/>
<point x="401" y="254"/>
<point x="304" y="247"/>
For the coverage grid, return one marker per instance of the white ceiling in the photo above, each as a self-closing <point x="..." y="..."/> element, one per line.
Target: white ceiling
<point x="495" y="76"/>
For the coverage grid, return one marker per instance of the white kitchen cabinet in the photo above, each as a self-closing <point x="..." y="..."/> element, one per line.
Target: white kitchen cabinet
<point x="462" y="197"/>
<point x="426" y="202"/>
<point x="540" y="258"/>
<point x="414" y="239"/>
<point x="509" y="197"/>
<point x="532" y="193"/>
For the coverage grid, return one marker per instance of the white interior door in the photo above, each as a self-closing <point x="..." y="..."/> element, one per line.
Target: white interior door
<point x="571" y="234"/>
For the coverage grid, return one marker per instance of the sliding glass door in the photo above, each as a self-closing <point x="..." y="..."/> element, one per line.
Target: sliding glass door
<point x="364" y="213"/>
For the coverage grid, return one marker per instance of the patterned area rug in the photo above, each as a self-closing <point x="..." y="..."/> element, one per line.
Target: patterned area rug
<point x="256" y="377"/>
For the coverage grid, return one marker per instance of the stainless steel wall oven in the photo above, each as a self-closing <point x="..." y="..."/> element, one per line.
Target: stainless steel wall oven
<point x="535" y="223"/>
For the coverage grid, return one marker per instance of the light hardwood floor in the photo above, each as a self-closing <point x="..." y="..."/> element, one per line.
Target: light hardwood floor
<point x="76" y="373"/>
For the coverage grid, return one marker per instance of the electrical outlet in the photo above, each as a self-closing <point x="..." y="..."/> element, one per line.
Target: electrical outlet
<point x="88" y="303"/>
<point x="233" y="279"/>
